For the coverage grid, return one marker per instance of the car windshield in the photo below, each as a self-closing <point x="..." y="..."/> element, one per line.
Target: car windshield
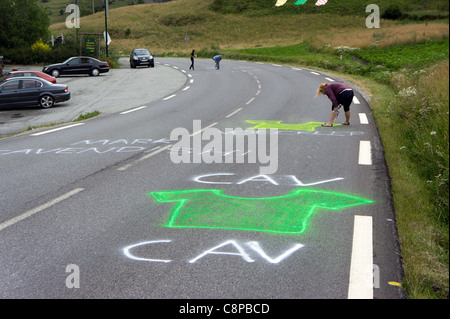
<point x="142" y="52"/>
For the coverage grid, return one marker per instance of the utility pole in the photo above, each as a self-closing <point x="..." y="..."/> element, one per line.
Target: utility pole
<point x="106" y="26"/>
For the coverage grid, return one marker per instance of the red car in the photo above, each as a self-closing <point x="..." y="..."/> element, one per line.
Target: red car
<point x="14" y="74"/>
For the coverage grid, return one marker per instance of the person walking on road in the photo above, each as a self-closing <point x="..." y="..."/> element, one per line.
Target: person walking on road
<point x="192" y="60"/>
<point x="340" y="95"/>
<point x="217" y="59"/>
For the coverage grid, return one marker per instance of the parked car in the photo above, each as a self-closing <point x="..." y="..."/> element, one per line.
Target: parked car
<point x="77" y="65"/>
<point x="25" y="91"/>
<point x="15" y="74"/>
<point x="140" y="57"/>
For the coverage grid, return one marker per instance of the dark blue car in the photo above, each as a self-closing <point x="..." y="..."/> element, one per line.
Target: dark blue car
<point x="28" y="91"/>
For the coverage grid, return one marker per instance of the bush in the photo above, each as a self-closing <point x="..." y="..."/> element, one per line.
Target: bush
<point x="392" y="13"/>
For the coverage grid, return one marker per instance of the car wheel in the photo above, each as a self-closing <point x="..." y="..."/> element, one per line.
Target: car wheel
<point x="46" y="101"/>
<point x="95" y="72"/>
<point x="55" y="73"/>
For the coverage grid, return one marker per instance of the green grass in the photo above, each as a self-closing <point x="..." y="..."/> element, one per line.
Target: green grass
<point x="86" y="116"/>
<point x="412" y="118"/>
<point x="418" y="55"/>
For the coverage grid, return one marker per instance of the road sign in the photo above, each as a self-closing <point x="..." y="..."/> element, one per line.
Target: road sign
<point x="89" y="45"/>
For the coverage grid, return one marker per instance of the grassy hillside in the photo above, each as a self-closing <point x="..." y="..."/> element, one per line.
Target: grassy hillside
<point x="56" y="8"/>
<point x="417" y="8"/>
<point x="162" y="28"/>
<point x="346" y="7"/>
<point x="403" y="66"/>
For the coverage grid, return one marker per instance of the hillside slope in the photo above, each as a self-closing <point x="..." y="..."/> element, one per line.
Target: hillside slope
<point x="346" y="7"/>
<point x="163" y="27"/>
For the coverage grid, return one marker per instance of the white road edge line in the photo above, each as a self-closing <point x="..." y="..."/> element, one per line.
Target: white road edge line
<point x="250" y="101"/>
<point x="56" y="129"/>
<point x="169" y="97"/>
<point x="232" y="113"/>
<point x="363" y="118"/>
<point x="199" y="131"/>
<point x="331" y="80"/>
<point x="315" y="73"/>
<point x="144" y="158"/>
<point x="361" y="266"/>
<point x="355" y="100"/>
<point x="38" y="209"/>
<point x="135" y="109"/>
<point x="365" y="153"/>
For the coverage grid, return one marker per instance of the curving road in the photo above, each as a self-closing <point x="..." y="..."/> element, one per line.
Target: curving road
<point x="102" y="209"/>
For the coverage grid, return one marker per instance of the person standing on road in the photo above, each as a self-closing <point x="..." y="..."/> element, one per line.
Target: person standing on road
<point x="340" y="95"/>
<point x="217" y="59"/>
<point x="192" y="60"/>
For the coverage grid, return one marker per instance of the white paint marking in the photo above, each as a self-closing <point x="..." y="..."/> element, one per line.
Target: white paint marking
<point x="355" y="100"/>
<point x="232" y="113"/>
<point x="135" y="109"/>
<point x="189" y="75"/>
<point x="125" y="167"/>
<point x="169" y="97"/>
<point x="193" y="134"/>
<point x="365" y="153"/>
<point x="363" y="118"/>
<point x="191" y="81"/>
<point x="315" y="73"/>
<point x="56" y="129"/>
<point x="361" y="267"/>
<point x="276" y="65"/>
<point x="38" y="209"/>
<point x="127" y="253"/>
<point x="143" y="158"/>
<point x="296" y="69"/>
<point x="186" y="88"/>
<point x="256" y="247"/>
<point x="331" y="80"/>
<point x="250" y="101"/>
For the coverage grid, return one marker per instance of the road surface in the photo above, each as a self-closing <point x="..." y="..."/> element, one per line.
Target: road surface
<point x="176" y="191"/>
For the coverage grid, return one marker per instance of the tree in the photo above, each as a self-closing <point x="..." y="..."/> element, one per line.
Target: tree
<point x="22" y="23"/>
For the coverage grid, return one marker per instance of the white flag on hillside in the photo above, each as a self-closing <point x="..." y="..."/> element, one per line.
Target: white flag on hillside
<point x="106" y="37"/>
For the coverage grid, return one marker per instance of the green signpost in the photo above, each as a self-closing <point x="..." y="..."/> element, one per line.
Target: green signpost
<point x="89" y="45"/>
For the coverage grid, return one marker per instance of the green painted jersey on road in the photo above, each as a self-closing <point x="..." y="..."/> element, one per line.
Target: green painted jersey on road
<point x="206" y="208"/>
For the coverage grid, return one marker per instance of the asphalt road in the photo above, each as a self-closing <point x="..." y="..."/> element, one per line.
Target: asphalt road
<point x="102" y="209"/>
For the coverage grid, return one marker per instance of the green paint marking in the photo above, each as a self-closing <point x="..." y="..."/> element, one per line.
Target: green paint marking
<point x="206" y="208"/>
<point x="310" y="126"/>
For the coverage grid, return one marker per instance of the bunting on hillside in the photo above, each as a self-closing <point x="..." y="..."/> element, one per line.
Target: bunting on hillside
<point x="321" y="2"/>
